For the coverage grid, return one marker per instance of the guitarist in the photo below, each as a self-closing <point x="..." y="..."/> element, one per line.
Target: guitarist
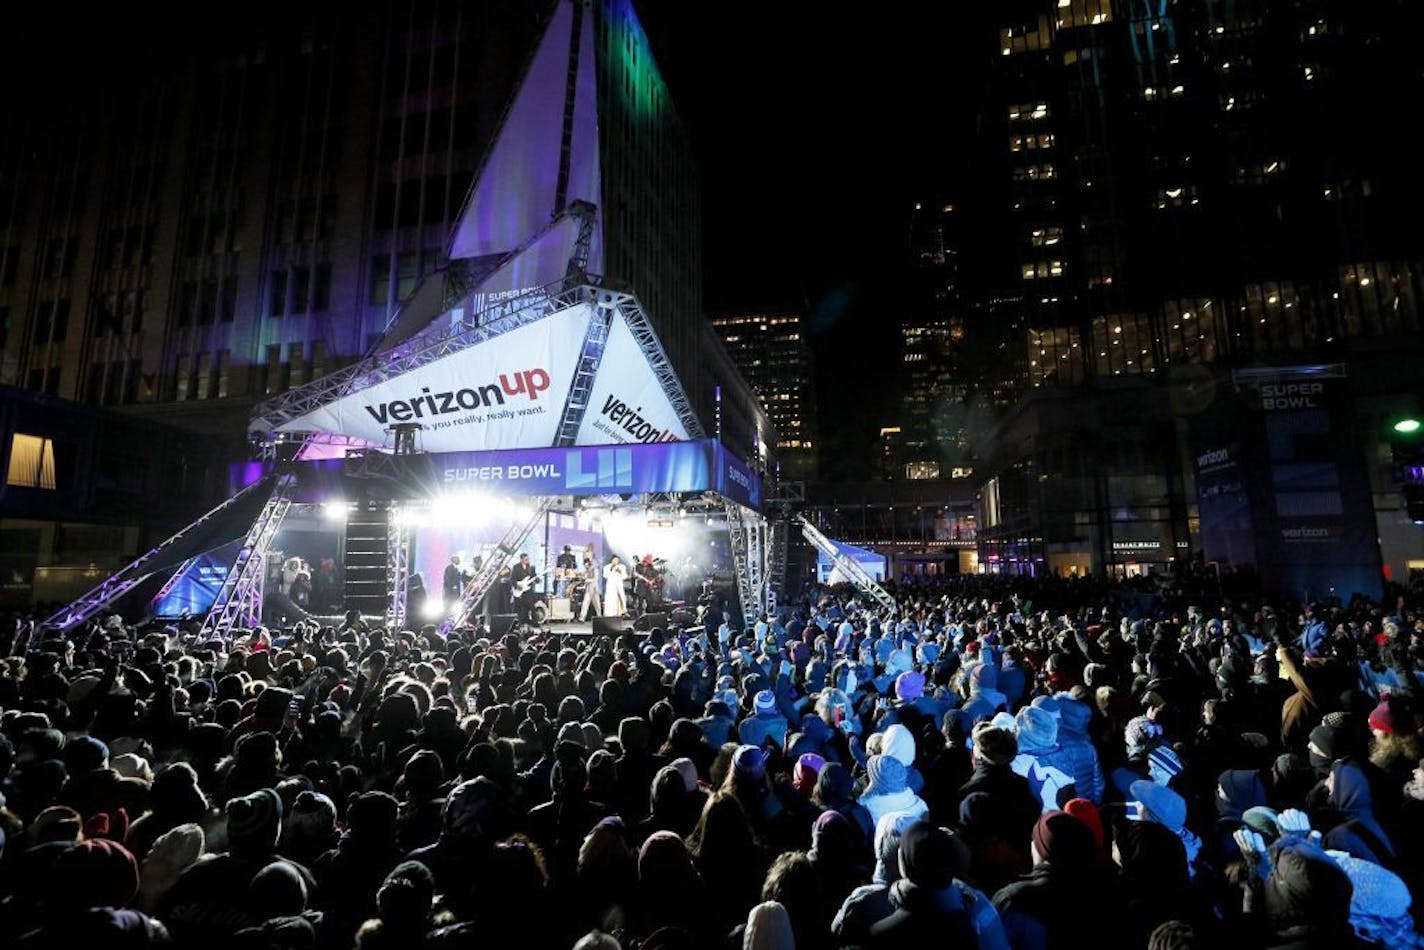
<point x="522" y="578"/>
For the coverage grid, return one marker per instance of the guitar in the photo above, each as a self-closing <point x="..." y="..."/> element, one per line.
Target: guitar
<point x="521" y="586"/>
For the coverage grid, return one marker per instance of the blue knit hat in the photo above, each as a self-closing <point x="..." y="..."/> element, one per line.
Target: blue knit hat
<point x="887" y="775"/>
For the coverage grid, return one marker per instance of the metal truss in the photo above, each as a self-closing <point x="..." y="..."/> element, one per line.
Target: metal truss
<point x="748" y="542"/>
<point x="479" y="585"/>
<point x="652" y="347"/>
<point x="587" y="214"/>
<point x="397" y="569"/>
<point x="590" y="358"/>
<point x="500" y="317"/>
<point x="779" y="531"/>
<point x="475" y="328"/>
<point x="122" y="581"/>
<point x="239" y="600"/>
<point x="847" y="565"/>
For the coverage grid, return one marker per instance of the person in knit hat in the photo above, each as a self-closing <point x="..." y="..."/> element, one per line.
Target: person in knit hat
<point x="1394" y="739"/>
<point x="209" y="899"/>
<point x="982" y="698"/>
<point x="1013" y="805"/>
<point x="1040" y="760"/>
<point x="870" y="903"/>
<point x="1379" y="903"/>
<point x="1045" y="907"/>
<point x="403" y="906"/>
<point x="766" y="724"/>
<point x="835" y="791"/>
<point x="931" y="902"/>
<point x="172" y="853"/>
<point x="94" y="873"/>
<point x="1165" y="807"/>
<point x="309" y="830"/>
<point x="897" y="741"/>
<point x="350" y="873"/>
<point x="807" y="769"/>
<point x="1306" y="898"/>
<point x="419" y="788"/>
<point x="888" y="789"/>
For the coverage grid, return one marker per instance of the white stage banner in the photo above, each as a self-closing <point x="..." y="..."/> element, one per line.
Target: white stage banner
<point x="628" y="403"/>
<point x="504" y="393"/>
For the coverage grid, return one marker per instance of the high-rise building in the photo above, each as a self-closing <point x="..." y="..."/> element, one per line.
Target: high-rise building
<point x="771" y="352"/>
<point x="1200" y="182"/>
<point x="249" y="209"/>
<point x="1172" y="194"/>
<point x="934" y="389"/>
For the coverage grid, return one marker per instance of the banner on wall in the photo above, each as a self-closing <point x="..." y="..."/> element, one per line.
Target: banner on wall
<point x="507" y="392"/>
<point x="628" y="404"/>
<point x="193" y="593"/>
<point x="593" y="470"/>
<point x="675" y="467"/>
<point x="1282" y="485"/>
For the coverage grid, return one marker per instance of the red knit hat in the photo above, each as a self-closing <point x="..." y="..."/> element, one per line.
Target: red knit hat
<point x="1387" y="718"/>
<point x="97" y="873"/>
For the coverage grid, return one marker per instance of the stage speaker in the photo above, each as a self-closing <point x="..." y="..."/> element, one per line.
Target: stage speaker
<point x="500" y="624"/>
<point x="682" y="617"/>
<point x="611" y="626"/>
<point x="650" y="620"/>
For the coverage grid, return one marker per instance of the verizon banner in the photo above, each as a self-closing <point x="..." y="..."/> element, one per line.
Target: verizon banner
<point x="505" y="393"/>
<point x="628" y="403"/>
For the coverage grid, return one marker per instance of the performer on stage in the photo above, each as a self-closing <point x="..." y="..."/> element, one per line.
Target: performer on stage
<point x="522" y="578"/>
<point x="615" y="599"/>
<point x="455" y="579"/>
<point x="566" y="567"/>
<point x="590" y="585"/>
<point x="646" y="584"/>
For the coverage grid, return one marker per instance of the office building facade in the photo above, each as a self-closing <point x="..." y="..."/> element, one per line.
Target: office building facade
<point x="246" y="213"/>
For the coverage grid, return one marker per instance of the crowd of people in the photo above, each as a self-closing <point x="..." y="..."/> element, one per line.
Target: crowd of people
<point x="1009" y="765"/>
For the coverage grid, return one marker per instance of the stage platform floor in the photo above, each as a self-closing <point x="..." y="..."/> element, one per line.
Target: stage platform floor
<point x="578" y="628"/>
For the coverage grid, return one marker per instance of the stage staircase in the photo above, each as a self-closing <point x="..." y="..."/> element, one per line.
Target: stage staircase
<point x="365" y="560"/>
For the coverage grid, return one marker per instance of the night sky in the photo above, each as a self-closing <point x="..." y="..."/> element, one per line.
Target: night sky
<point x="816" y="132"/>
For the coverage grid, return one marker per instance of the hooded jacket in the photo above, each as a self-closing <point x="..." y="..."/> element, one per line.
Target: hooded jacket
<point x="1079" y="758"/>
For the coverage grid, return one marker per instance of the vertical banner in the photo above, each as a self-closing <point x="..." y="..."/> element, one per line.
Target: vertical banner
<point x="193" y="593"/>
<point x="1282" y="484"/>
<point x="627" y="403"/>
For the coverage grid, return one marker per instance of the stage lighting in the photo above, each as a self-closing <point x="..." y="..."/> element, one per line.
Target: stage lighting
<point x="336" y="510"/>
<point x="432" y="610"/>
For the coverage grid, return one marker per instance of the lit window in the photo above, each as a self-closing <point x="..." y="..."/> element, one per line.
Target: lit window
<point x="31" y="462"/>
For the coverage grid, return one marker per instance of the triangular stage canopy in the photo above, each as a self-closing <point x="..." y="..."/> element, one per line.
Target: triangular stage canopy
<point x="532" y="208"/>
<point x="533" y="353"/>
<point x="580" y="366"/>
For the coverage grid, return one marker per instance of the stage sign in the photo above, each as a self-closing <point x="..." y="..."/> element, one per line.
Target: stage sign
<point x="735" y="480"/>
<point x="628" y="404"/>
<point x="676" y="467"/>
<point x="195" y="590"/>
<point x="507" y="392"/>
<point x="1282" y="484"/>
<point x="632" y="469"/>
